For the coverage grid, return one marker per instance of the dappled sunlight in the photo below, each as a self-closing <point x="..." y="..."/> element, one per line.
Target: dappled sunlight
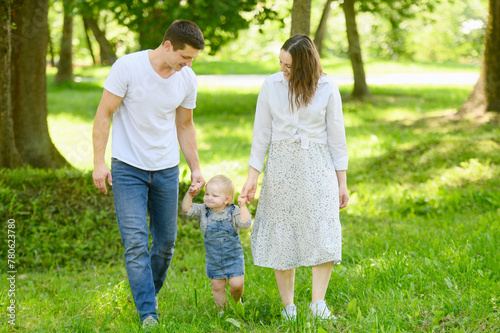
<point x="110" y="299"/>
<point x="73" y="139"/>
<point x="471" y="171"/>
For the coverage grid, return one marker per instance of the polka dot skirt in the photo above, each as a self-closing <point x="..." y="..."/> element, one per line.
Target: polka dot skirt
<point x="297" y="220"/>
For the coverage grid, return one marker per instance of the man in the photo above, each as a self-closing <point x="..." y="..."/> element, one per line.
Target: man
<point x="151" y="96"/>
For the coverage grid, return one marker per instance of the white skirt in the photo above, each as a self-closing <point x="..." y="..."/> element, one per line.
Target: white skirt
<point x="297" y="219"/>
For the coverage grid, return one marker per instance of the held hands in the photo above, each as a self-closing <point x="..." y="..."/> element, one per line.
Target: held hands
<point x="242" y="201"/>
<point x="250" y="187"/>
<point x="194" y="189"/>
<point x="197" y="183"/>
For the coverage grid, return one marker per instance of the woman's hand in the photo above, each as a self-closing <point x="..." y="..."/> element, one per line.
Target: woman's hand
<point x="250" y="188"/>
<point x="343" y="197"/>
<point x="343" y="193"/>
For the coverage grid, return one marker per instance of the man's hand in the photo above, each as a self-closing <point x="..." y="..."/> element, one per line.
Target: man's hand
<point x="99" y="175"/>
<point x="197" y="181"/>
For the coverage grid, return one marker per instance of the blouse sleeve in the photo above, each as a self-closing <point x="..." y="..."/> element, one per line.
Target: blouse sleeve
<point x="335" y="130"/>
<point x="261" y="129"/>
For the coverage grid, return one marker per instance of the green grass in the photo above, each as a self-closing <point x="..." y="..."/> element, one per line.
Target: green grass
<point x="421" y="234"/>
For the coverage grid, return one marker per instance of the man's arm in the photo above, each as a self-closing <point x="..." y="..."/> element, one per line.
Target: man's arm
<point x="100" y="134"/>
<point x="186" y="134"/>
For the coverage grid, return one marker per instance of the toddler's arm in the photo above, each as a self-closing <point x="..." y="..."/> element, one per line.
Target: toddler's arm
<point x="187" y="202"/>
<point x="244" y="212"/>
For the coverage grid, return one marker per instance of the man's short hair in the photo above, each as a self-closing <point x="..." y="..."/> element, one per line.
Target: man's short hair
<point x="182" y="32"/>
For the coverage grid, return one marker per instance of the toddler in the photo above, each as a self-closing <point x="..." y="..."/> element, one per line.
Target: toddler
<point x="220" y="223"/>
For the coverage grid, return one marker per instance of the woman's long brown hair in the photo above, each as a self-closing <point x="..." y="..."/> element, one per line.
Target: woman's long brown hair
<point x="305" y="72"/>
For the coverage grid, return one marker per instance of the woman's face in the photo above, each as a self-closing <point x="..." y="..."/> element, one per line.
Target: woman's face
<point x="285" y="63"/>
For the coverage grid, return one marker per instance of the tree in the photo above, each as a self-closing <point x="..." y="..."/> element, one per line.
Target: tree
<point x="220" y="20"/>
<point x="301" y="17"/>
<point x="492" y="58"/>
<point x="90" y="11"/>
<point x="9" y="156"/>
<point x="485" y="95"/>
<point x="320" y="31"/>
<point x="108" y="55"/>
<point x="65" y="66"/>
<point x="26" y="102"/>
<point x="360" y="87"/>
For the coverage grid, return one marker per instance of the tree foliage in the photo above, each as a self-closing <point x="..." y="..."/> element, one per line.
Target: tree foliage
<point x="219" y="20"/>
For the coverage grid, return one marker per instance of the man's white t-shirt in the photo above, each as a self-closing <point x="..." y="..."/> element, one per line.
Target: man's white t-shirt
<point x="144" y="131"/>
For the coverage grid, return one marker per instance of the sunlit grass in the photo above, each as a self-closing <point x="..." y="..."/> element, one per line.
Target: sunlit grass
<point x="421" y="234"/>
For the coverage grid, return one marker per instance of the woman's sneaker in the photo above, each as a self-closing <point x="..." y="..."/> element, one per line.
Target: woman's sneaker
<point x="289" y="312"/>
<point x="320" y="310"/>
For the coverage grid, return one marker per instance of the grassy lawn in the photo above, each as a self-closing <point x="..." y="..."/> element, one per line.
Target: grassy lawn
<point x="421" y="234"/>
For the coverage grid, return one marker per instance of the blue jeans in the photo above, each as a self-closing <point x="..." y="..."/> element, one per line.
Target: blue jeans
<point x="138" y="193"/>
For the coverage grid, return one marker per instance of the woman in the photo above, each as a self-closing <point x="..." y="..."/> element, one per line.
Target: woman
<point x="299" y="120"/>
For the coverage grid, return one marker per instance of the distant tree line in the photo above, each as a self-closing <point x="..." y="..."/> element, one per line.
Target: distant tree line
<point x="25" y="40"/>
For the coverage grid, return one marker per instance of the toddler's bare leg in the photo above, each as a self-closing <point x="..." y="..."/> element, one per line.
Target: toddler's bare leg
<point x="236" y="286"/>
<point x="219" y="292"/>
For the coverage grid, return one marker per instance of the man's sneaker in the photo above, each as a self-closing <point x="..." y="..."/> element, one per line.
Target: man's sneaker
<point x="156" y="304"/>
<point x="289" y="312"/>
<point x="149" y="322"/>
<point x="320" y="310"/>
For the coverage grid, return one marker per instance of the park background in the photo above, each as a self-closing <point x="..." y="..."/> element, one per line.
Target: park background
<point x="421" y="232"/>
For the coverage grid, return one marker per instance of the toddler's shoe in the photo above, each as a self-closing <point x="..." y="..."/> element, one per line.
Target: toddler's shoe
<point x="289" y="312"/>
<point x="320" y="310"/>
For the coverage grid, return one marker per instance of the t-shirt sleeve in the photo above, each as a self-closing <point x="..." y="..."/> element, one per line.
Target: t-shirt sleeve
<point x="118" y="78"/>
<point x="189" y="101"/>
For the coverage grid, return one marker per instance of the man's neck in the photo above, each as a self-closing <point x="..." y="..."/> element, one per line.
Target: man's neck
<point x="160" y="66"/>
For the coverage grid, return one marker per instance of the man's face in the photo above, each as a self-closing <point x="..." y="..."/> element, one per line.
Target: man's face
<point x="180" y="58"/>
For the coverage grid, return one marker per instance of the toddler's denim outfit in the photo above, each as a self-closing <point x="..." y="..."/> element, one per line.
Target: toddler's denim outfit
<point x="223" y="252"/>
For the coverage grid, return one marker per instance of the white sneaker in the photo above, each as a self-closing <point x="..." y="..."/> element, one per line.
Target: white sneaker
<point x="289" y="312"/>
<point x="149" y="322"/>
<point x="156" y="304"/>
<point x="320" y="310"/>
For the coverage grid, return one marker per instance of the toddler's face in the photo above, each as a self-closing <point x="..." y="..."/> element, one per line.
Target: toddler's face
<point x="215" y="197"/>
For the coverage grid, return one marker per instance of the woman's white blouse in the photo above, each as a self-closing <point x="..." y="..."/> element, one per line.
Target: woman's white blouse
<point x="321" y="121"/>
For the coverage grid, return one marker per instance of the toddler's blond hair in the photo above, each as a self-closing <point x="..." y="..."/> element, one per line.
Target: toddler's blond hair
<point x="225" y="183"/>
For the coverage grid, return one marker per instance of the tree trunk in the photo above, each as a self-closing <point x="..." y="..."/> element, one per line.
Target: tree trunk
<point x="485" y="95"/>
<point x="51" y="50"/>
<point x="492" y="58"/>
<point x="320" y="32"/>
<point x="152" y="27"/>
<point x="29" y="90"/>
<point x="65" y="67"/>
<point x="86" y="30"/>
<point x="9" y="156"/>
<point x="360" y="87"/>
<point x="301" y="17"/>
<point x="108" y="56"/>
<point x="476" y="103"/>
